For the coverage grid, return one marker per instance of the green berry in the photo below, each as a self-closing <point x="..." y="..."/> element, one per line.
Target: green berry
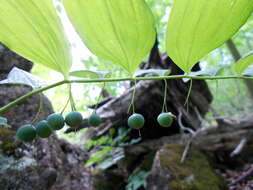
<point x="55" y="121"/>
<point x="26" y="133"/>
<point x="43" y="130"/>
<point x="165" y="119"/>
<point x="136" y="121"/>
<point x="74" y="119"/>
<point x="94" y="120"/>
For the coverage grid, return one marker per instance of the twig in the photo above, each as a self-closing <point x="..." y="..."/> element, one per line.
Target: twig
<point x="188" y="145"/>
<point x="186" y="150"/>
<point x="182" y="127"/>
<point x="239" y="148"/>
<point x="198" y="114"/>
<point x="193" y="133"/>
<point x="242" y="177"/>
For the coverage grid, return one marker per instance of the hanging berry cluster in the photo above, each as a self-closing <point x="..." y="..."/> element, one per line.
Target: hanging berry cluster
<point x="44" y="129"/>
<point x="137" y="121"/>
<point x="54" y="122"/>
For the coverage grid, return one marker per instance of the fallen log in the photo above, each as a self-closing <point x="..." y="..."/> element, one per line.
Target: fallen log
<point x="212" y="139"/>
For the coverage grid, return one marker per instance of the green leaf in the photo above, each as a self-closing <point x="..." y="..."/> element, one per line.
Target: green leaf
<point x="214" y="71"/>
<point x="32" y="29"/>
<point x="19" y="76"/>
<point x="119" y="31"/>
<point x="243" y="63"/>
<point x="248" y="71"/>
<point x="155" y="72"/>
<point x="89" y="74"/>
<point x="98" y="156"/>
<point x="137" y="179"/>
<point x="196" y="27"/>
<point x="114" y="157"/>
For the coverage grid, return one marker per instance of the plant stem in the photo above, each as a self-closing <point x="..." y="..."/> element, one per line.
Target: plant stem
<point x="28" y="95"/>
<point x="37" y="91"/>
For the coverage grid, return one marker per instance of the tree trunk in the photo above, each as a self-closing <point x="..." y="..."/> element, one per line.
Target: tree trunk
<point x="236" y="55"/>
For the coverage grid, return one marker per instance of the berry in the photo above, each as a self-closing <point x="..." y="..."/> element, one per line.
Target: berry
<point x="94" y="120"/>
<point x="165" y="119"/>
<point x="43" y="130"/>
<point x="55" y="121"/>
<point x="26" y="133"/>
<point x="136" y="121"/>
<point x="74" y="119"/>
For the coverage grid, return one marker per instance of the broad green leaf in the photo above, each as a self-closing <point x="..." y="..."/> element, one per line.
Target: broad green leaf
<point x="89" y="74"/>
<point x="115" y="156"/>
<point x="214" y="71"/>
<point x="137" y="179"/>
<point x="98" y="156"/>
<point x="155" y="72"/>
<point x="19" y="76"/>
<point x="248" y="71"/>
<point x="32" y="29"/>
<point x="119" y="31"/>
<point x="243" y="63"/>
<point x="196" y="27"/>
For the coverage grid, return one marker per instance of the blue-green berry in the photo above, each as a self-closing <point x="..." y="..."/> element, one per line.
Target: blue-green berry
<point x="43" y="130"/>
<point x="26" y="133"/>
<point x="94" y="120"/>
<point x="165" y="119"/>
<point x="55" y="121"/>
<point x="136" y="121"/>
<point x="74" y="119"/>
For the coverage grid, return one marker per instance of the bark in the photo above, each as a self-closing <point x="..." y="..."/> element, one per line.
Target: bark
<point x="9" y="59"/>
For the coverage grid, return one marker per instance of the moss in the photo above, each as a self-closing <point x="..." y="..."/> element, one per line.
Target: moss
<point x="148" y="161"/>
<point x="6" y="132"/>
<point x="144" y="162"/>
<point x="195" y="173"/>
<point x="7" y="146"/>
<point x="108" y="180"/>
<point x="7" y="139"/>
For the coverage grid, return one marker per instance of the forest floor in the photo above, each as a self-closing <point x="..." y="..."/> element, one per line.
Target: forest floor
<point x="240" y="180"/>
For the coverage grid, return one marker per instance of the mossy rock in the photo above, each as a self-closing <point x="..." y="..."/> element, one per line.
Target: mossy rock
<point x="144" y="162"/>
<point x="196" y="173"/>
